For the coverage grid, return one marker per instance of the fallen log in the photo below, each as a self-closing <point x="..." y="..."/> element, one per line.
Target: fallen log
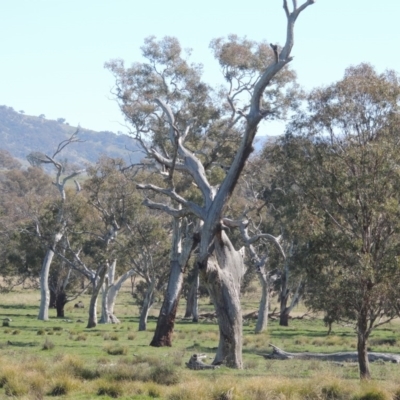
<point x="351" y="356"/>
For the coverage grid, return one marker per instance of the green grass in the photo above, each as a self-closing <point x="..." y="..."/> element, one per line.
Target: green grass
<point x="116" y="361"/>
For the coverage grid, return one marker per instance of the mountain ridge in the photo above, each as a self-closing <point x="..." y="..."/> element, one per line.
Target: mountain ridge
<point x="21" y="134"/>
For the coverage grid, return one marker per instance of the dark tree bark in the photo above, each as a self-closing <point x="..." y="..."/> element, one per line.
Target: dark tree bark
<point x="166" y="320"/>
<point x="362" y="339"/>
<point x="61" y="301"/>
<point x="180" y="254"/>
<point x="284" y="317"/>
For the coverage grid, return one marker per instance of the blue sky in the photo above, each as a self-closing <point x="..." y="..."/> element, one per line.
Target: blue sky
<point x="53" y="51"/>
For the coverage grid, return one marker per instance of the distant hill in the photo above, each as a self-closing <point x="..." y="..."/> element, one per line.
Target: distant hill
<point x="21" y="134"/>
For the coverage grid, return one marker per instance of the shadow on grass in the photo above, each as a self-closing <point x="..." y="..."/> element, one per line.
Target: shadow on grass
<point x="12" y="343"/>
<point x="19" y="307"/>
<point x="196" y="347"/>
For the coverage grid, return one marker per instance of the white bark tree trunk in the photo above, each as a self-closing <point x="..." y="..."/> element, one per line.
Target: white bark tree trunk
<point x="192" y="307"/>
<point x="147" y="303"/>
<point x="262" y="319"/>
<point x="97" y="283"/>
<point x="113" y="293"/>
<point x="110" y="292"/>
<point x="44" y="280"/>
<point x="223" y="275"/>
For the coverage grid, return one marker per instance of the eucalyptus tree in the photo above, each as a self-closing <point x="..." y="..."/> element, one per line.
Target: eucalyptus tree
<point x="24" y="199"/>
<point x="340" y="158"/>
<point x="189" y="127"/>
<point x="147" y="252"/>
<point x="61" y="179"/>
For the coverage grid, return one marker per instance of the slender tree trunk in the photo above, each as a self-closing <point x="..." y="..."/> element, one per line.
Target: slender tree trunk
<point x="110" y="292"/>
<point x="147" y="303"/>
<point x="97" y="283"/>
<point x="195" y="307"/>
<point x="105" y="314"/>
<point x="166" y="320"/>
<point x="362" y="340"/>
<point x="113" y="293"/>
<point x="222" y="276"/>
<point x="179" y="259"/>
<point x="262" y="319"/>
<point x="44" y="286"/>
<point x="192" y="300"/>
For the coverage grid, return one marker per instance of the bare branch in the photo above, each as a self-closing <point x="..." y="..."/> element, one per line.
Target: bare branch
<point x="194" y="208"/>
<point x="169" y="210"/>
<point x="65" y="143"/>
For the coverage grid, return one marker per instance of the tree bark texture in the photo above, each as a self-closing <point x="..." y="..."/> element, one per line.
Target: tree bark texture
<point x="362" y="339"/>
<point x="166" y="320"/>
<point x="61" y="301"/>
<point x="181" y="249"/>
<point x="262" y="319"/>
<point x="97" y="283"/>
<point x="110" y="293"/>
<point x="192" y="300"/>
<point x="44" y="286"/>
<point x="222" y="277"/>
<point x="147" y="303"/>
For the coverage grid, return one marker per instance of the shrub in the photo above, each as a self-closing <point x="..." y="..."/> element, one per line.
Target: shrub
<point x="117" y="350"/>
<point x="154" y="392"/>
<point x="333" y="391"/>
<point x="373" y="394"/>
<point x="48" y="345"/>
<point x="61" y="387"/>
<point x="165" y="374"/>
<point x="16" y="388"/>
<point x="16" y="332"/>
<point x="109" y="389"/>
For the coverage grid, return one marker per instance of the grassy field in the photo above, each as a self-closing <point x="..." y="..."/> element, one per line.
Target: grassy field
<point x="60" y="357"/>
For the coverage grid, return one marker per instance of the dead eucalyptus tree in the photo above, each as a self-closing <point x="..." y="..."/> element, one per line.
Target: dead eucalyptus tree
<point x="190" y="126"/>
<point x="37" y="158"/>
